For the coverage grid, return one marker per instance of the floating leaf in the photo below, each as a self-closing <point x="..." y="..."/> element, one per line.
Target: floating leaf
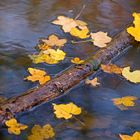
<point x="81" y="33"/>
<point x="81" y="24"/>
<point x="66" y="23"/>
<point x="57" y="55"/>
<point x="43" y="58"/>
<point x="111" y="68"/>
<point x="135" y="31"/>
<point x="38" y="75"/>
<point x="66" y="111"/>
<point x="69" y="23"/>
<point x="126" y="101"/>
<point x="14" y="127"/>
<point x="77" y="60"/>
<point x="49" y="56"/>
<point x="135" y="136"/>
<point x="53" y="40"/>
<point x="94" y="82"/>
<point x="41" y="133"/>
<point x="100" y="39"/>
<point x="43" y="47"/>
<point x="131" y="76"/>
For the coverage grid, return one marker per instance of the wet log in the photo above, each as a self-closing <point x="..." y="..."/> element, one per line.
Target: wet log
<point x="66" y="79"/>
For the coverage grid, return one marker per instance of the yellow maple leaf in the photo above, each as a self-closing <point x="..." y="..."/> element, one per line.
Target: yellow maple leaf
<point x="77" y="60"/>
<point x="135" y="136"/>
<point x="135" y="31"/>
<point x="57" y="55"/>
<point x="66" y="111"/>
<point x="94" y="82"/>
<point x="53" y="40"/>
<point x="100" y="39"/>
<point x="43" y="58"/>
<point x="69" y="23"/>
<point x="131" y="76"/>
<point x="126" y="101"/>
<point x="41" y="133"/>
<point x="37" y="75"/>
<point x="14" y="127"/>
<point x="81" y="33"/>
<point x="49" y="56"/>
<point x="111" y="68"/>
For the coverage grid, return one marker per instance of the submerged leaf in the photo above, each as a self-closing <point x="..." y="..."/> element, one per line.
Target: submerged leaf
<point x="41" y="133"/>
<point x="126" y="101"/>
<point x="66" y="111"/>
<point x="38" y="75"/>
<point x="100" y="39"/>
<point x="14" y="127"/>
<point x="131" y="76"/>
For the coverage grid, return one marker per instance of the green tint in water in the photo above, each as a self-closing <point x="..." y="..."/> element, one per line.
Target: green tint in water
<point x="23" y="22"/>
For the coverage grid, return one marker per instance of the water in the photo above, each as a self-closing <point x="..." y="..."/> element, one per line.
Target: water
<point x="23" y="22"/>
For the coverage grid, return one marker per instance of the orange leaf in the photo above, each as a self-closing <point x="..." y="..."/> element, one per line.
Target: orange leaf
<point x="77" y="60"/>
<point x="94" y="82"/>
<point x="111" y="68"/>
<point x="38" y="75"/>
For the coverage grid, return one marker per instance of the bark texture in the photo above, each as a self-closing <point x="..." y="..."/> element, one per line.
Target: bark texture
<point x="65" y="80"/>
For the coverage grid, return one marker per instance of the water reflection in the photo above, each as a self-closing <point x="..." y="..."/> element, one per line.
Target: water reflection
<point x="23" y="22"/>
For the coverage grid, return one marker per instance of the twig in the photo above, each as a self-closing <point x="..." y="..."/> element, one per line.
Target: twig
<point x="79" y="14"/>
<point x="82" y="123"/>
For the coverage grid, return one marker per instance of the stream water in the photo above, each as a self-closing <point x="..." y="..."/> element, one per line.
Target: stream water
<point x="23" y="22"/>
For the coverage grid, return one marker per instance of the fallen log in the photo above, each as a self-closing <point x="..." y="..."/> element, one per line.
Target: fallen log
<point x="66" y="79"/>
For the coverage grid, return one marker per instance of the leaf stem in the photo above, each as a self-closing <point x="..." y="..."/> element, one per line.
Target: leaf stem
<point x="82" y="123"/>
<point x="82" y="41"/>
<point x="79" y="14"/>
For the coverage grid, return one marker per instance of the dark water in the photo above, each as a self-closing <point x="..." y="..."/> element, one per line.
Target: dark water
<point x="23" y="22"/>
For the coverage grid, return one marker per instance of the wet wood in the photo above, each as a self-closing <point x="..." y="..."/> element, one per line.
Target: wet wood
<point x="66" y="79"/>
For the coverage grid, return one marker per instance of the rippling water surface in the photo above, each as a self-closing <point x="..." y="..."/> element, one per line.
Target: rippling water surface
<point x="23" y="22"/>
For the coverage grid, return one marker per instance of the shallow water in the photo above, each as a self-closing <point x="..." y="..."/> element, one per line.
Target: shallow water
<point x="23" y="22"/>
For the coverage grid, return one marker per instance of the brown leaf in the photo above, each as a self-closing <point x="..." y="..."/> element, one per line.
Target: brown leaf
<point x="111" y="68"/>
<point x="100" y="39"/>
<point x="53" y="40"/>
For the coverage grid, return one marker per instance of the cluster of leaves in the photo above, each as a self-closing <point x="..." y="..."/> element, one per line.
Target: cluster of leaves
<point x="50" y="49"/>
<point x="65" y="111"/>
<point x="79" y="29"/>
<point x="51" y="53"/>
